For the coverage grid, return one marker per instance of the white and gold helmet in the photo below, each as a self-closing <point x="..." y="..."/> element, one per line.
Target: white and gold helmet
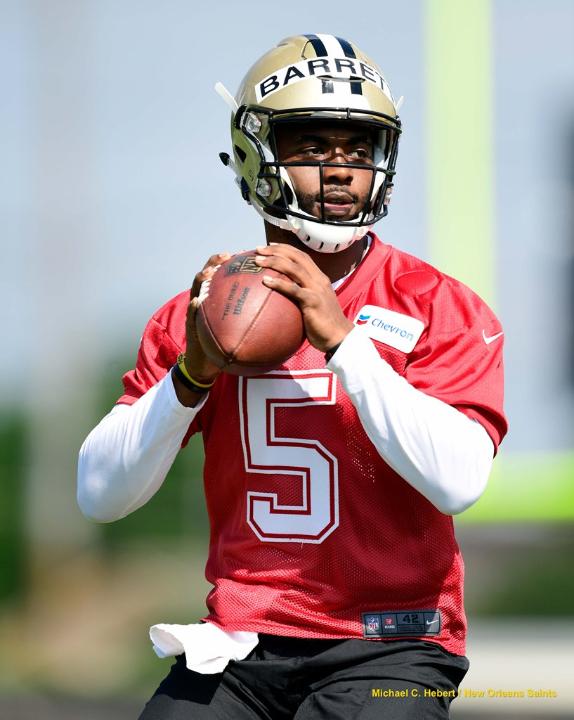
<point x="310" y="77"/>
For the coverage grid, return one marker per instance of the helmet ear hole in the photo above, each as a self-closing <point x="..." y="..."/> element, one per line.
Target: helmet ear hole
<point x="376" y="203"/>
<point x="241" y="154"/>
<point x="244" y="187"/>
<point x="289" y="196"/>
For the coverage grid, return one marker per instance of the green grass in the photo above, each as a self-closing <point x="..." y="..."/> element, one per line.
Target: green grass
<point x="537" y="487"/>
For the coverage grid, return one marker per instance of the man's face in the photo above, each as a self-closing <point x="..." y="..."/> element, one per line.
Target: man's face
<point x="345" y="190"/>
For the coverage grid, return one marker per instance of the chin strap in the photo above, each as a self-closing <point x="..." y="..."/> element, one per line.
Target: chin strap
<point x="317" y="236"/>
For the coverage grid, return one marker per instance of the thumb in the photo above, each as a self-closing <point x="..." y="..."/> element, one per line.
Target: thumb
<point x="192" y="309"/>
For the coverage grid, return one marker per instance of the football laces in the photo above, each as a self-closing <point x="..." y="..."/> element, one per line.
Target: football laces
<point x="204" y="287"/>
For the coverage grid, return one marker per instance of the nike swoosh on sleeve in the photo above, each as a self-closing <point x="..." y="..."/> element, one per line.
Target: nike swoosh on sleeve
<point x="491" y="338"/>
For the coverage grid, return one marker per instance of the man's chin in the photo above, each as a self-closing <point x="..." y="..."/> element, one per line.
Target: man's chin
<point x="335" y="218"/>
<point x="341" y="217"/>
<point x="338" y="215"/>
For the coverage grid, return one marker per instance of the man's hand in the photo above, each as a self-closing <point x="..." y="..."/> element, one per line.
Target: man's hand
<point x="325" y="323"/>
<point x="196" y="362"/>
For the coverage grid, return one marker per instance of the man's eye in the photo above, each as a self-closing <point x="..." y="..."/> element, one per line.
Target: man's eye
<point x="312" y="150"/>
<point x="361" y="154"/>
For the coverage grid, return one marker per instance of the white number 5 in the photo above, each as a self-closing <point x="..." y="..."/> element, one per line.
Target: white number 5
<point x="292" y="459"/>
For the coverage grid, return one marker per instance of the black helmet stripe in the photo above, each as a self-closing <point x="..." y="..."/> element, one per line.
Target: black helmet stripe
<point x="317" y="43"/>
<point x="347" y="48"/>
<point x="356" y="87"/>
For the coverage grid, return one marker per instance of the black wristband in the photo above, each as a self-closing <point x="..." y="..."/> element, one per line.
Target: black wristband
<point x="329" y="354"/>
<point x="186" y="382"/>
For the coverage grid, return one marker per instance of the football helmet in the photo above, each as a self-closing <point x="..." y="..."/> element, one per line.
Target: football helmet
<point x="311" y="78"/>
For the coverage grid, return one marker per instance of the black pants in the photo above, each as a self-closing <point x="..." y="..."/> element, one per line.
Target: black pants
<point x="294" y="679"/>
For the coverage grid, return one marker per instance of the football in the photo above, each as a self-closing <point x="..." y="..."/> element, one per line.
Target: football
<point x="244" y="327"/>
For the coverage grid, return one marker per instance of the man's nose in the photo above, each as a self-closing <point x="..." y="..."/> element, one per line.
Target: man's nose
<point x="338" y="170"/>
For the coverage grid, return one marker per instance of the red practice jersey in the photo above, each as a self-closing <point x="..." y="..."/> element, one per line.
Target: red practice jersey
<point x="313" y="535"/>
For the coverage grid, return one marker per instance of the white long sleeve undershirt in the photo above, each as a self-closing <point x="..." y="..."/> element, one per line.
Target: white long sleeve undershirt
<point x="125" y="459"/>
<point x="437" y="449"/>
<point x="442" y="453"/>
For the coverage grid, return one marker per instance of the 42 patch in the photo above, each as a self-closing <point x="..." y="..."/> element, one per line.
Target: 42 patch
<point x="379" y="624"/>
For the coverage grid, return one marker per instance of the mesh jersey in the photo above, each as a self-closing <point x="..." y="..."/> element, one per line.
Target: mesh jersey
<point x="310" y="528"/>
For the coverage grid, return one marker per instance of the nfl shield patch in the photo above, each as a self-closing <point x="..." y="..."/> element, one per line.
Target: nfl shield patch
<point x="372" y="625"/>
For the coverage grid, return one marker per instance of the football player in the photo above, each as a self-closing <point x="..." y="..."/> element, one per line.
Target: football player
<point x="332" y="481"/>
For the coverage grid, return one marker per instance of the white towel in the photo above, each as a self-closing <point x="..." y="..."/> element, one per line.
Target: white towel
<point x="207" y="647"/>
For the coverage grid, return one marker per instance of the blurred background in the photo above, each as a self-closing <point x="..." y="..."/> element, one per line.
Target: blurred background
<point x="112" y="197"/>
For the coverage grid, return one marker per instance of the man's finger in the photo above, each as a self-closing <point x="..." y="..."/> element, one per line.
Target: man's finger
<point x="217" y="259"/>
<point x="213" y="263"/>
<point x="287" y="251"/>
<point x="197" y="280"/>
<point x="282" y="249"/>
<point x="285" y="287"/>
<point x="194" y="306"/>
<point x="293" y="269"/>
<point x="191" y="328"/>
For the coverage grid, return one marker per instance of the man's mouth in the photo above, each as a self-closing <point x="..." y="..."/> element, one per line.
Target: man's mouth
<point x="337" y="204"/>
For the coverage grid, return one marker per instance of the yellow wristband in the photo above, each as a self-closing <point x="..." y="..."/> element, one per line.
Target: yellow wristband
<point x="181" y="365"/>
